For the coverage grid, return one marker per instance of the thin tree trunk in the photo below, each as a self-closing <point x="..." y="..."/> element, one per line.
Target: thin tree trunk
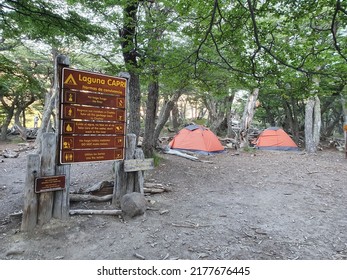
<point x="312" y="124"/>
<point x="165" y="114"/>
<point x="50" y="97"/>
<point x="149" y="142"/>
<point x="9" y="115"/>
<point x="247" y="117"/>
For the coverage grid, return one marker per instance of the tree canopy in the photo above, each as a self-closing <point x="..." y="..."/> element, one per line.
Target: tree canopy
<point x="290" y="50"/>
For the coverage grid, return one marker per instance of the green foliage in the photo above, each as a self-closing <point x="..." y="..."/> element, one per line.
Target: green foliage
<point x="157" y="159"/>
<point x="207" y="50"/>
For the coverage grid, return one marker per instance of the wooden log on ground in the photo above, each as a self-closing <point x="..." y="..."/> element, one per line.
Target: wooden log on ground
<point x="49" y="144"/>
<point x="29" y="219"/>
<point x="101" y="188"/>
<point x="95" y="212"/>
<point x="180" y="154"/>
<point x="89" y="197"/>
<point x="156" y="188"/>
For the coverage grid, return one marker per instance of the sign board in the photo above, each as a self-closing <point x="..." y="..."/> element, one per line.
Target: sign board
<point x="92" y="113"/>
<point x="94" y="82"/>
<point x="93" y="117"/>
<point x="83" y="127"/>
<point x="47" y="184"/>
<point x="131" y="165"/>
<point x="93" y="99"/>
<point x="72" y="156"/>
<point x="345" y="127"/>
<point x="89" y="142"/>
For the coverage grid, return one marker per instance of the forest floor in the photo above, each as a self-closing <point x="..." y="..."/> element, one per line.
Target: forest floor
<point x="241" y="205"/>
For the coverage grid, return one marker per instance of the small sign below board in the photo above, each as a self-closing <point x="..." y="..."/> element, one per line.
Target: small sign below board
<point x="48" y="184"/>
<point x="131" y="165"/>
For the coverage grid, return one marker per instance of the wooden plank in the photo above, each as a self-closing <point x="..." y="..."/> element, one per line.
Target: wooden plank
<point x="89" y="81"/>
<point x="91" y="142"/>
<point x="92" y="113"/>
<point x="139" y="175"/>
<point x="73" y="156"/>
<point x="29" y="219"/>
<point x="132" y="165"/>
<point x="61" y="203"/>
<point x="119" y="183"/>
<point x="48" y="157"/>
<point x="93" y="99"/>
<point x="79" y="127"/>
<point x="129" y="154"/>
<point x="95" y="212"/>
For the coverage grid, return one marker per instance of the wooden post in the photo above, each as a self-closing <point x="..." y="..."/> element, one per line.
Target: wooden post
<point x="123" y="182"/>
<point x="119" y="183"/>
<point x="139" y="175"/>
<point x="29" y="219"/>
<point x="61" y="204"/>
<point x="130" y="154"/>
<point x="48" y="160"/>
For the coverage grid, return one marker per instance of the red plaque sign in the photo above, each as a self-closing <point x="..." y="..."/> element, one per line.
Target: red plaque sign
<point x="47" y="184"/>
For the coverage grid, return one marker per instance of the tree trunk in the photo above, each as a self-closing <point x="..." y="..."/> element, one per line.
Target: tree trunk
<point x="165" y="114"/>
<point x="128" y="44"/>
<point x="312" y="124"/>
<point x="291" y="115"/>
<point x="50" y="97"/>
<point x="149" y="141"/>
<point x="9" y="115"/>
<point x="247" y="117"/>
<point x="175" y="117"/>
<point x="134" y="117"/>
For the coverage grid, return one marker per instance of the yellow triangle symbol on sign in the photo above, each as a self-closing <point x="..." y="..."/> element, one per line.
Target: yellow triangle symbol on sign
<point x="70" y="80"/>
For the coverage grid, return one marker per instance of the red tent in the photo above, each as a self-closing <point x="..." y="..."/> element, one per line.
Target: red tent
<point x="197" y="139"/>
<point x="274" y="138"/>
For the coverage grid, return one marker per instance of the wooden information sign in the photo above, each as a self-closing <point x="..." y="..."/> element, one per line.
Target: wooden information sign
<point x="91" y="155"/>
<point x="47" y="184"/>
<point x="93" y="117"/>
<point x="83" y="127"/>
<point x="131" y="165"/>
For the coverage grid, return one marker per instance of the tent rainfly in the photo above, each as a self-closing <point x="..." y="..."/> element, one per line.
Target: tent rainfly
<point x="198" y="139"/>
<point x="274" y="138"/>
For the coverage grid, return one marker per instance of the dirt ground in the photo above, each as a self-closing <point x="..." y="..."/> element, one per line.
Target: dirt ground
<point x="247" y="205"/>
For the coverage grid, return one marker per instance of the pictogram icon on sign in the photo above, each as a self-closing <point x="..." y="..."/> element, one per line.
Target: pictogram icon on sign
<point x="70" y="80"/>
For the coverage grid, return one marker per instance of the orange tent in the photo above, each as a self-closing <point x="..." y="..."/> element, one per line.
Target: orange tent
<point x="197" y="139"/>
<point x="274" y="138"/>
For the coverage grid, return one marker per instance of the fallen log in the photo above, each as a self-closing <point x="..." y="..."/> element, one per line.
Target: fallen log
<point x="154" y="188"/>
<point x="95" y="212"/>
<point x="100" y="188"/>
<point x="89" y="197"/>
<point x="180" y="154"/>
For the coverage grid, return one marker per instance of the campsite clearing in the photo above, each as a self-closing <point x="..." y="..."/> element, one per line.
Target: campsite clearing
<point x="244" y="205"/>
